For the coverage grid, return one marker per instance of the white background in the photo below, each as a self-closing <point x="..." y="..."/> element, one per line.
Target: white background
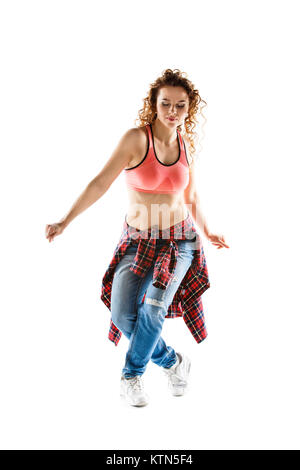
<point x="73" y="77"/>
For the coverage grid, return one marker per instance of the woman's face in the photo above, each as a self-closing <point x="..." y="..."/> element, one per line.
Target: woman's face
<point x="172" y="102"/>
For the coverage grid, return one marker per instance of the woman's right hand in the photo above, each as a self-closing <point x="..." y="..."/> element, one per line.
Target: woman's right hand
<point x="52" y="230"/>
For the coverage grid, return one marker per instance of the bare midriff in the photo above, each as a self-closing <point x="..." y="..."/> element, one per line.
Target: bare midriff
<point x="148" y="209"/>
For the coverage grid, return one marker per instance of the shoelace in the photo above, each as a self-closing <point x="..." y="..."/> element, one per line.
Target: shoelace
<point x="171" y="370"/>
<point x="175" y="380"/>
<point x="136" y="384"/>
<point x="173" y="377"/>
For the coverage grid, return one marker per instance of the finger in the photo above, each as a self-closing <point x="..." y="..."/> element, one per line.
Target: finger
<point x="223" y="244"/>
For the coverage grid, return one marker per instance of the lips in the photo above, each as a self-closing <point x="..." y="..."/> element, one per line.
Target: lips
<point x="171" y="119"/>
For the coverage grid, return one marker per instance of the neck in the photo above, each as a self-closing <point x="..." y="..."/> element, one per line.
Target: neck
<point x="163" y="133"/>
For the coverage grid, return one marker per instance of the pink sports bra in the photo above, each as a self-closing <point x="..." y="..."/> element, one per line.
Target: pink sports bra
<point x="153" y="176"/>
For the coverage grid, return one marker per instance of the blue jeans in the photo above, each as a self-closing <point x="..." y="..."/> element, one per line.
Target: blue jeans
<point x="142" y="322"/>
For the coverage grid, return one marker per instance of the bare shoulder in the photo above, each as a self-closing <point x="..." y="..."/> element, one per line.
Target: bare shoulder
<point x="137" y="143"/>
<point x="137" y="132"/>
<point x="139" y="135"/>
<point x="133" y="138"/>
<point x="187" y="147"/>
<point x="125" y="151"/>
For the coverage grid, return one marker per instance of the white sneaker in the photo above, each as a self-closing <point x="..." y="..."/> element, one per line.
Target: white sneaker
<point x="132" y="390"/>
<point x="178" y="375"/>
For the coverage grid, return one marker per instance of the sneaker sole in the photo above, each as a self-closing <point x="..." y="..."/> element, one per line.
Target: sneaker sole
<point x="143" y="403"/>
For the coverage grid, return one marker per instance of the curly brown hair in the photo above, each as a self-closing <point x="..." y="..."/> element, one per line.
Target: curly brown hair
<point x="147" y="114"/>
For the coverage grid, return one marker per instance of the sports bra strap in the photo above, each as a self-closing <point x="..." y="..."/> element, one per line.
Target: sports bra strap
<point x="180" y="140"/>
<point x="149" y="136"/>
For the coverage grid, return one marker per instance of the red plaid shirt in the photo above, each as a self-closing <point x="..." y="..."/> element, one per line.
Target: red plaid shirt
<point x="187" y="301"/>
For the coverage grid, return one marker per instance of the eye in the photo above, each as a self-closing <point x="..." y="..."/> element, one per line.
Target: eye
<point x="178" y="106"/>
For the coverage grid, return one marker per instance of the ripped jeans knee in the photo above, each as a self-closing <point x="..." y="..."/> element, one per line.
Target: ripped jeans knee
<point x="155" y="301"/>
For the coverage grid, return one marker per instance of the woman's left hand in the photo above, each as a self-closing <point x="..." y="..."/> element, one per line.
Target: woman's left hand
<point x="217" y="240"/>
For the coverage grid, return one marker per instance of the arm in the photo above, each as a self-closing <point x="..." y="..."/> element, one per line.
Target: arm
<point x="192" y="199"/>
<point x="96" y="188"/>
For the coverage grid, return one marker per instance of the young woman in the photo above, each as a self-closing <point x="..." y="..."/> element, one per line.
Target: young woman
<point x="158" y="269"/>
